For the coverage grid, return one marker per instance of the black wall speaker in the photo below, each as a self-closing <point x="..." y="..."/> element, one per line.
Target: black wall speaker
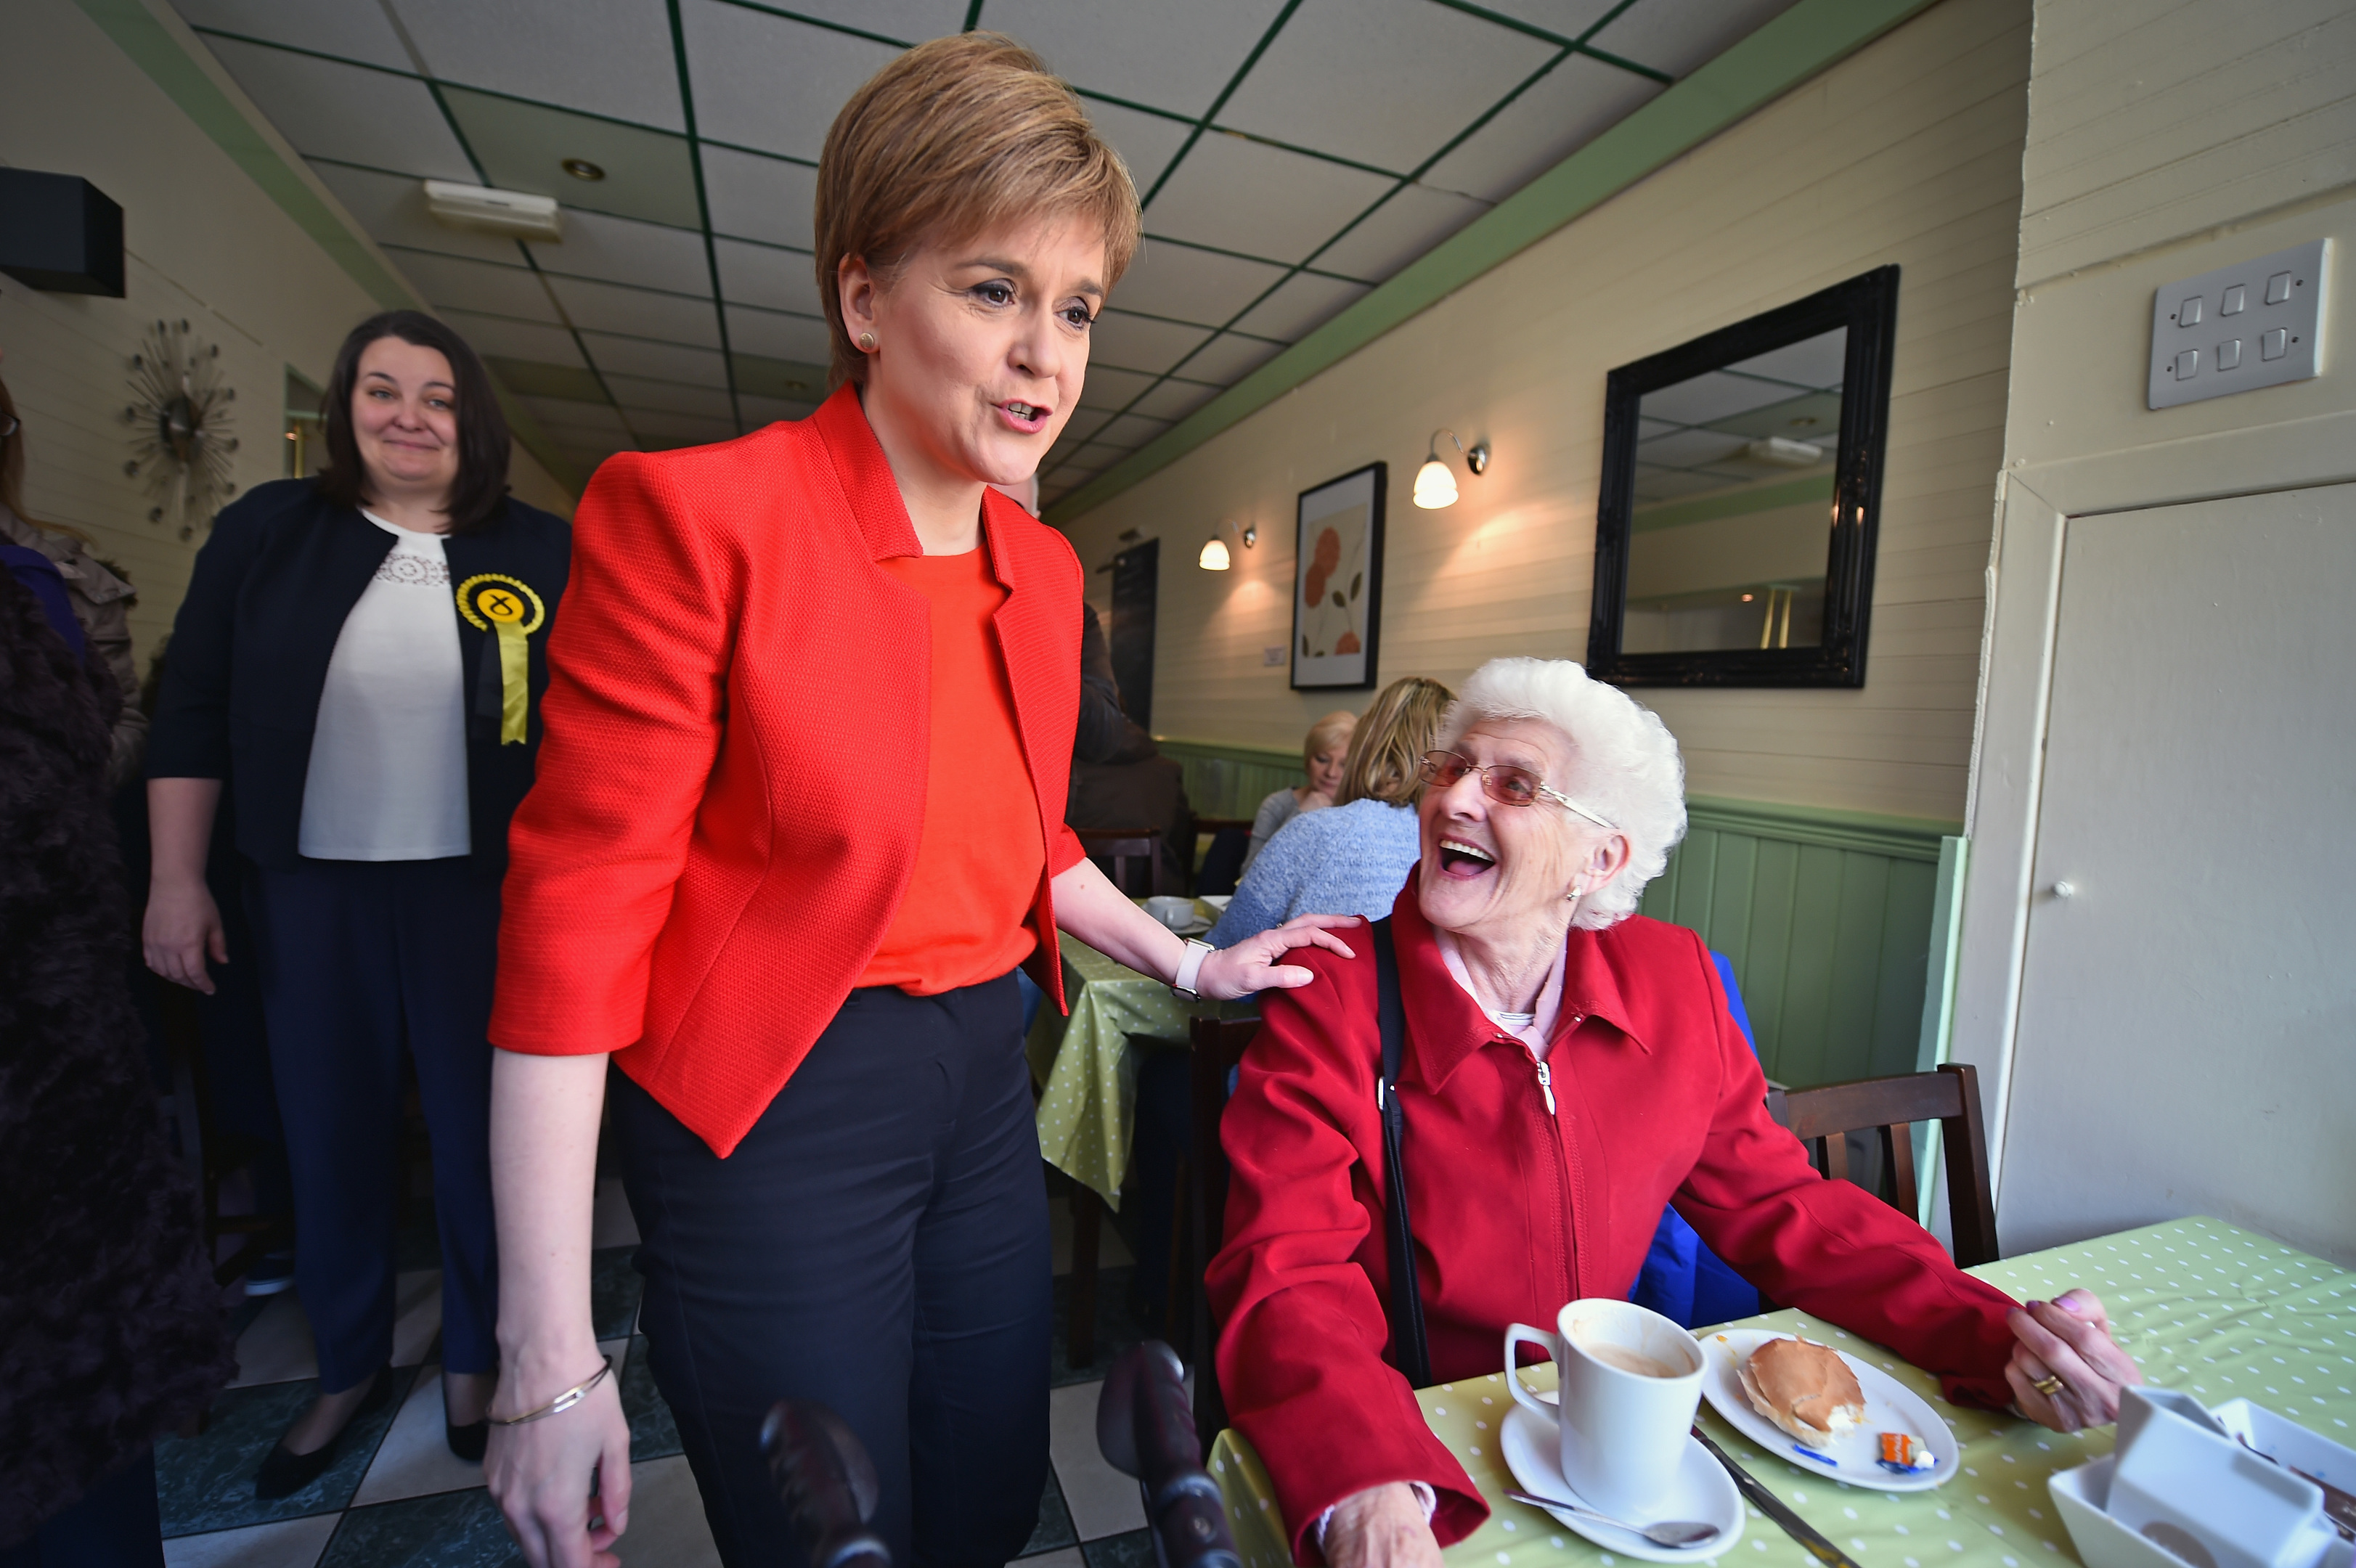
<point x="60" y="232"/>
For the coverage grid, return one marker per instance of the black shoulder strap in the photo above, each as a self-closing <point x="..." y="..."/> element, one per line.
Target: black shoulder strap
<point x="1410" y="1347"/>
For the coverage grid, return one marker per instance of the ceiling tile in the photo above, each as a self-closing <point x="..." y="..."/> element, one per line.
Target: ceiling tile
<point x="1818" y="361"/>
<point x="625" y="250"/>
<point x="796" y="337"/>
<point x="391" y="207"/>
<point x="588" y="459"/>
<point x="764" y="81"/>
<point x="759" y="411"/>
<point x="1175" y="399"/>
<point x="789" y="380"/>
<point x="637" y="313"/>
<point x="534" y="378"/>
<point x="1679" y="36"/>
<point x="663" y="362"/>
<point x="1568" y="107"/>
<point x="345" y="112"/>
<point x="681" y="430"/>
<point x="524" y="147"/>
<point x="1111" y="388"/>
<point x="1398" y="231"/>
<point x="1384" y="81"/>
<point x="609" y="56"/>
<point x="768" y="277"/>
<point x="450" y="283"/>
<point x="1228" y="356"/>
<point x="914" y="20"/>
<point x="1564" y="18"/>
<point x="1146" y="143"/>
<point x="665" y="397"/>
<point x="1192" y="284"/>
<point x="758" y="197"/>
<point x="577" y="423"/>
<point x="1711" y="396"/>
<point x="1140" y="342"/>
<point x="1260" y="200"/>
<point x="1128" y="430"/>
<point x="1689" y="449"/>
<point x="490" y="335"/>
<point x="1171" y="56"/>
<point x="1304" y="302"/>
<point x="352" y="32"/>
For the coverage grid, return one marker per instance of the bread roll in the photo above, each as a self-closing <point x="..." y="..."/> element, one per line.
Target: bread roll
<point x="1804" y="1388"/>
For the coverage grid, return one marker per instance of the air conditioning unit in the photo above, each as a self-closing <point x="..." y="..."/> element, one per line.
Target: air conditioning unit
<point x="492" y="211"/>
<point x="1780" y="452"/>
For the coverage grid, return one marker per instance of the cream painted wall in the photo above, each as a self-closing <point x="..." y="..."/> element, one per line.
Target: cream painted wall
<point x="2160" y="148"/>
<point x="207" y="245"/>
<point x="1907" y="151"/>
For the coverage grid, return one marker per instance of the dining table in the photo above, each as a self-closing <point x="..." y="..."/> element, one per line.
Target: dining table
<point x="2204" y="1307"/>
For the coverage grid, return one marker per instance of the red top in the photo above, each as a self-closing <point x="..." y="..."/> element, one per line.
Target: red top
<point x="980" y="854"/>
<point x="1519" y="1210"/>
<point x="703" y="869"/>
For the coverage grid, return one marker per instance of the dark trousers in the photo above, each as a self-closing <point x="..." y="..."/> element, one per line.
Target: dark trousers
<point x="877" y="1243"/>
<point x="358" y="959"/>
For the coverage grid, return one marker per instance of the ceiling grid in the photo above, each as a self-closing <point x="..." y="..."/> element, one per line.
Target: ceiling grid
<point x="1292" y="154"/>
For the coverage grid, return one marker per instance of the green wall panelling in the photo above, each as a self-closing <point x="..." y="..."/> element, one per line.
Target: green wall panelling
<point x="1231" y="781"/>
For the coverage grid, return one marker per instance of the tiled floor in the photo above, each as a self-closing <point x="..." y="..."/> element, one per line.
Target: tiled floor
<point x="398" y="1499"/>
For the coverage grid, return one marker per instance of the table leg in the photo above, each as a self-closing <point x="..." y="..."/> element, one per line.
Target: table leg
<point x="1087" y="1223"/>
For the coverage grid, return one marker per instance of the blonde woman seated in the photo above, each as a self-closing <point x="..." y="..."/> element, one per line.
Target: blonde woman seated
<point x="1352" y="858"/>
<point x="1567" y="1067"/>
<point x="1322" y="756"/>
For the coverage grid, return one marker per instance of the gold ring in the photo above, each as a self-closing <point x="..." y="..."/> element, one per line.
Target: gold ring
<point x="2048" y="1385"/>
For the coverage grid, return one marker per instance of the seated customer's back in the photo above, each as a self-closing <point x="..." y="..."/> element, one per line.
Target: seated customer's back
<point x="1354" y="858"/>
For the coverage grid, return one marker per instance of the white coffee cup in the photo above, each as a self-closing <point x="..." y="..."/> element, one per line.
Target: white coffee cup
<point x="1629" y="1382"/>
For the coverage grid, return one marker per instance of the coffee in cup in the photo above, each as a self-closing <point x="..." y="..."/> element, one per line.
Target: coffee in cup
<point x="1630" y="1381"/>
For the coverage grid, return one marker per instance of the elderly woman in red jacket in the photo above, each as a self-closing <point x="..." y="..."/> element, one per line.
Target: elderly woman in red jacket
<point x="798" y="819"/>
<point x="1569" y="1068"/>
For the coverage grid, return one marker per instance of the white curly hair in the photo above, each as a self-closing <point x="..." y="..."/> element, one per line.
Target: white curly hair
<point x="1628" y="766"/>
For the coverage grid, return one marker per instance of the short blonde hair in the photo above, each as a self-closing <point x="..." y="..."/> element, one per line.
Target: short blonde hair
<point x="950" y="140"/>
<point x="1386" y="748"/>
<point x="1336" y="727"/>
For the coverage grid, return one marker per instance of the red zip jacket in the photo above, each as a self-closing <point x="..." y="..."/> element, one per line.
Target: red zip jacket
<point x="731" y="786"/>
<point x="1532" y="1185"/>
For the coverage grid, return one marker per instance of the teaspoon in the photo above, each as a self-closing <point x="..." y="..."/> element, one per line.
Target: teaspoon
<point x="1668" y="1532"/>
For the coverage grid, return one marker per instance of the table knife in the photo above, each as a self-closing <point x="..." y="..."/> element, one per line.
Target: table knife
<point x="1773" y="1507"/>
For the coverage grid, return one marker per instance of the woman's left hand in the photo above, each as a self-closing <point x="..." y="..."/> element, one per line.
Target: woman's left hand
<point x="1251" y="965"/>
<point x="2068" y="1338"/>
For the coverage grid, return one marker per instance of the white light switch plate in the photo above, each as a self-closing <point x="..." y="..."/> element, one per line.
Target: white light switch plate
<point x="2255" y="324"/>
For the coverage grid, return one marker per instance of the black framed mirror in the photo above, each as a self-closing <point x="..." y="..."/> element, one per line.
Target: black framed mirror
<point x="1741" y="494"/>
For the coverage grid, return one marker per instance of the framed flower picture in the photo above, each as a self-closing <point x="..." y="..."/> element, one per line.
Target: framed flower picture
<point x="1337" y="581"/>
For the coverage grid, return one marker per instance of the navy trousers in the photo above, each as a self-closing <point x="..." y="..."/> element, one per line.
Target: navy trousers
<point x="878" y="1242"/>
<point x="358" y="959"/>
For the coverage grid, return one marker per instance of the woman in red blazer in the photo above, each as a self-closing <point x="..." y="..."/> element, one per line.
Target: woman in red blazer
<point x="798" y="819"/>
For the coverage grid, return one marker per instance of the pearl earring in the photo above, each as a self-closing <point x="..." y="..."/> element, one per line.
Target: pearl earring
<point x="867" y="341"/>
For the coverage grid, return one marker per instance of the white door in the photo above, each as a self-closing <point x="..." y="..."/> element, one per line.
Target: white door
<point x="2187" y="1039"/>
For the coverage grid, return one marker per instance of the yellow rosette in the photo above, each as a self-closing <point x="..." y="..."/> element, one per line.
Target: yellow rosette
<point x="509" y="611"/>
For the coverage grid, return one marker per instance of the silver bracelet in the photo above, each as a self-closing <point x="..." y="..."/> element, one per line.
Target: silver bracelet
<point x="560" y="1403"/>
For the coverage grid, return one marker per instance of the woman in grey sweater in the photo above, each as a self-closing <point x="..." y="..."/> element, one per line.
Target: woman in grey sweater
<point x="1322" y="756"/>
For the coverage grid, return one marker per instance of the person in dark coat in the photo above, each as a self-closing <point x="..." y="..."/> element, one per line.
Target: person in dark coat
<point x="111" y="1328"/>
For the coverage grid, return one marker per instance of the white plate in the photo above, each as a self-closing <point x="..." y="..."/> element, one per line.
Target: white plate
<point x="1703" y="1492"/>
<point x="1889" y="1407"/>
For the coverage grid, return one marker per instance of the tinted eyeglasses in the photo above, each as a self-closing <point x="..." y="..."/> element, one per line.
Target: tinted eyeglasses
<point x="1503" y="783"/>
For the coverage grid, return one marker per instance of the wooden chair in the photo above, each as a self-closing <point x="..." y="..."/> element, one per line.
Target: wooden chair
<point x="1222" y="862"/>
<point x="1951" y="1096"/>
<point x="1117" y="848"/>
<point x="1199" y="1227"/>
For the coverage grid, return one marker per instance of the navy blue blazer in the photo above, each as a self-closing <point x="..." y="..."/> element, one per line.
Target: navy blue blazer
<point x="249" y="657"/>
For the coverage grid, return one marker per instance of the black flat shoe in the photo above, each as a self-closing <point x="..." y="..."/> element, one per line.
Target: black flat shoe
<point x="285" y="1472"/>
<point x="468" y="1441"/>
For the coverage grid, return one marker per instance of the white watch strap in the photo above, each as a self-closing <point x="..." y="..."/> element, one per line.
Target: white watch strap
<point x="1189" y="966"/>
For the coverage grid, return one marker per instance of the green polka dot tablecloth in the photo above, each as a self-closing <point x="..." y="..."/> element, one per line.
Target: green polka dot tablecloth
<point x="1087" y="1070"/>
<point x="2205" y="1307"/>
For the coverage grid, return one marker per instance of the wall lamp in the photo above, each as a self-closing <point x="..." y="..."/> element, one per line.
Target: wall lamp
<point x="1215" y="556"/>
<point x="1435" y="485"/>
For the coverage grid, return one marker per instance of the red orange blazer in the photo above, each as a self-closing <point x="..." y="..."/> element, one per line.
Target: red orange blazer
<point x="733" y="784"/>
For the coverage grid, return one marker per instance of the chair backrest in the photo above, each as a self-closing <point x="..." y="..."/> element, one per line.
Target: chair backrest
<point x="1222" y="862"/>
<point x="1951" y="1096"/>
<point x="1218" y="1050"/>
<point x="1119" y="848"/>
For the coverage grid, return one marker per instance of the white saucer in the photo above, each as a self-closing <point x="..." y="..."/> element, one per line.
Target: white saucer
<point x="1853" y="1457"/>
<point x="1703" y="1492"/>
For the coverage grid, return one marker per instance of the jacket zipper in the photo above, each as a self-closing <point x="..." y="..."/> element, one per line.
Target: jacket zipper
<point x="1561" y="1171"/>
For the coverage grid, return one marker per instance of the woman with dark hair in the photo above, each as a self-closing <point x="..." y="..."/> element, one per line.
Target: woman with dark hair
<point x="363" y="656"/>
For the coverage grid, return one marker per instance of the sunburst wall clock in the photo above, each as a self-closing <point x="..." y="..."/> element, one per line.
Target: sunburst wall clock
<point x="180" y="423"/>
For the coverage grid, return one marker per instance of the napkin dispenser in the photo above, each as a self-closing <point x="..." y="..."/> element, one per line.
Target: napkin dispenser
<point x="2182" y="1482"/>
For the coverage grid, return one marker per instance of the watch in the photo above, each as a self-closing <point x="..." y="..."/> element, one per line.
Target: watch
<point x="1182" y="984"/>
